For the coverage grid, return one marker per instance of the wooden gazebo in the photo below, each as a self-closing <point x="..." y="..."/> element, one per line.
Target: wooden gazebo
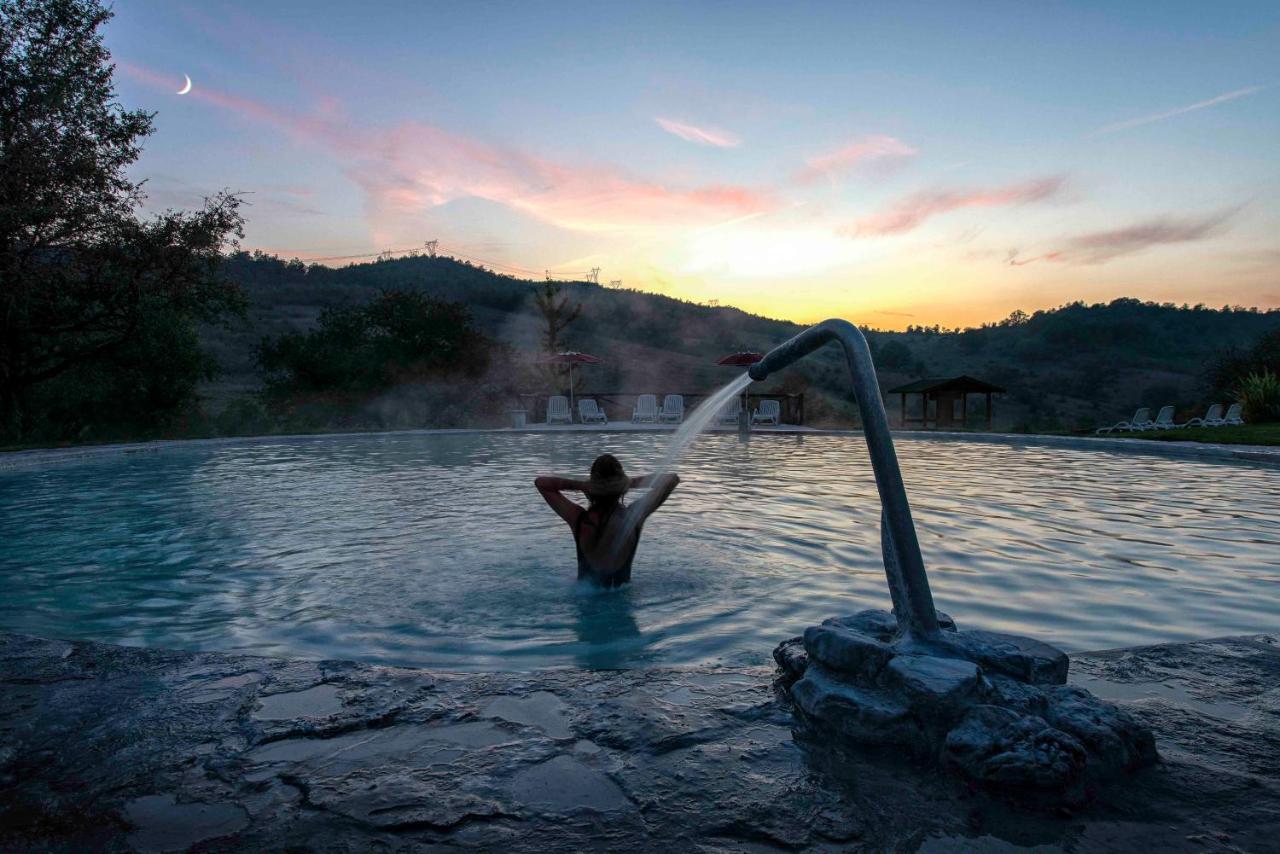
<point x="944" y="393"/>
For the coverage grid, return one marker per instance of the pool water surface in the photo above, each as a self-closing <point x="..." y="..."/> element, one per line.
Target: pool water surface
<point x="436" y="551"/>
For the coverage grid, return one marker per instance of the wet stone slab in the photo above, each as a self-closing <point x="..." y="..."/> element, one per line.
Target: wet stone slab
<point x="541" y="709"/>
<point x="318" y="702"/>
<point x="163" y="824"/>
<point x="564" y="784"/>
<point x="117" y="749"/>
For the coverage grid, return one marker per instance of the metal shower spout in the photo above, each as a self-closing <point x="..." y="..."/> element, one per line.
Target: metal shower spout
<point x="903" y="565"/>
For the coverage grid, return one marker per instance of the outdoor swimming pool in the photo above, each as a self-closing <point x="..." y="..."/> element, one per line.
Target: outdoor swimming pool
<point x="436" y="551"/>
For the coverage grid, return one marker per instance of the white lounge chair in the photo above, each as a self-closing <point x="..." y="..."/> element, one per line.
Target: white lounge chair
<point x="1141" y="420"/>
<point x="1234" y="416"/>
<point x="1164" y="419"/>
<point x="589" y="412"/>
<point x="768" y="412"/>
<point x="672" y="409"/>
<point x="558" y="410"/>
<point x="1211" y="418"/>
<point x="729" y="412"/>
<point x="646" y="409"/>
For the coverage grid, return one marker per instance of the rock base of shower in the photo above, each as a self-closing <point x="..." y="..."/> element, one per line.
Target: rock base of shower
<point x="995" y="708"/>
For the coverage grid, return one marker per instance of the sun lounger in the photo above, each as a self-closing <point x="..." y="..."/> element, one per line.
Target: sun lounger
<point x="729" y="412"/>
<point x="672" y="409"/>
<point x="1234" y="416"/>
<point x="646" y="409"/>
<point x="589" y="412"/>
<point x="768" y="412"/>
<point x="558" y="410"/>
<point x="1141" y="420"/>
<point x="1164" y="419"/>
<point x="1211" y="418"/>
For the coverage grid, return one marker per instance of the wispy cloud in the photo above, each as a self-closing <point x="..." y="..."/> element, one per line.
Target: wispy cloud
<point x="1014" y="259"/>
<point x="700" y="135"/>
<point x="1177" y="111"/>
<point x="1099" y="247"/>
<point x="409" y="168"/>
<point x="911" y="212"/>
<point x="872" y="148"/>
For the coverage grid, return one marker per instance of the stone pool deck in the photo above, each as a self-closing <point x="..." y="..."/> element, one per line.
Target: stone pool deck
<point x="108" y="748"/>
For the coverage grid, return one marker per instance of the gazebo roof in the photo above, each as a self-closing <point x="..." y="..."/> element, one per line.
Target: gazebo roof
<point x="960" y="384"/>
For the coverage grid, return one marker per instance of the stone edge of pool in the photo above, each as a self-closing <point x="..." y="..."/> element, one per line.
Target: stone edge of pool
<point x="103" y="747"/>
<point x="1256" y="454"/>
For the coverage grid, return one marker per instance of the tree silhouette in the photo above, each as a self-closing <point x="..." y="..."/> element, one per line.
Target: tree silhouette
<point x="85" y="286"/>
<point x="556" y="313"/>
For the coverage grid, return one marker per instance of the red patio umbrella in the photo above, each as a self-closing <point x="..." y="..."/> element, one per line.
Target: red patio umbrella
<point x="571" y="358"/>
<point x="742" y="359"/>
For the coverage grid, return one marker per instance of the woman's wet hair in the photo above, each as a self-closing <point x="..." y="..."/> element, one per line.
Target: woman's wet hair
<point x="606" y="469"/>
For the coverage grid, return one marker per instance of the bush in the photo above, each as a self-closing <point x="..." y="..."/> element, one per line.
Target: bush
<point x="244" y="416"/>
<point x="403" y="360"/>
<point x="1260" y="394"/>
<point x="1230" y="368"/>
<point x="141" y="389"/>
<point x="894" y="355"/>
<point x="401" y="336"/>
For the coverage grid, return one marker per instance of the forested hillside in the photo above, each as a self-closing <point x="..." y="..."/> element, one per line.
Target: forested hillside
<point x="1065" y="369"/>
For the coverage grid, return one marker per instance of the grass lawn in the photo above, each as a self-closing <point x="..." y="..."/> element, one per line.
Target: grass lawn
<point x="1248" y="434"/>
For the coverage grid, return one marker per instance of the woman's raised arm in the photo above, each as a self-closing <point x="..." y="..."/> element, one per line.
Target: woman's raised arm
<point x="552" y="489"/>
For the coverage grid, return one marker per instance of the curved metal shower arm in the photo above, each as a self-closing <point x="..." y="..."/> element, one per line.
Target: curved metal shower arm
<point x="903" y="565"/>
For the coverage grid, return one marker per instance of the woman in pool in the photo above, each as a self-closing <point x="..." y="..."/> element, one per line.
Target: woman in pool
<point x="606" y="531"/>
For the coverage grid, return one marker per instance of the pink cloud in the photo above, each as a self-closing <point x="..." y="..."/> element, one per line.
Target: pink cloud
<point x="410" y="168"/>
<point x="414" y="167"/>
<point x="1099" y="247"/>
<point x="872" y="148"/>
<point x="700" y="135"/>
<point x="909" y="213"/>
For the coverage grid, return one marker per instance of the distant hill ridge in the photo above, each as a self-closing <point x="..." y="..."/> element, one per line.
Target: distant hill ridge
<point x="1065" y="368"/>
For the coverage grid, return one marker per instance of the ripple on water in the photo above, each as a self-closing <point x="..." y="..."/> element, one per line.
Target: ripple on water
<point x="434" y="550"/>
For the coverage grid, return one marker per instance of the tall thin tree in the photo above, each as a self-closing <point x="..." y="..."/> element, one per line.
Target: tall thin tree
<point x="557" y="314"/>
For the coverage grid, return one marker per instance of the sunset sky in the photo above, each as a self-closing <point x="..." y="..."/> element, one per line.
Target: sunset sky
<point x="888" y="163"/>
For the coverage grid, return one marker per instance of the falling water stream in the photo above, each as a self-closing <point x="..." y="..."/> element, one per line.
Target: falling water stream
<point x="698" y="423"/>
<point x="693" y="427"/>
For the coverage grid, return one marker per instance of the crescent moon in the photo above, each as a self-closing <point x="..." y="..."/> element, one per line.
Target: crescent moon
<point x="187" y="88"/>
